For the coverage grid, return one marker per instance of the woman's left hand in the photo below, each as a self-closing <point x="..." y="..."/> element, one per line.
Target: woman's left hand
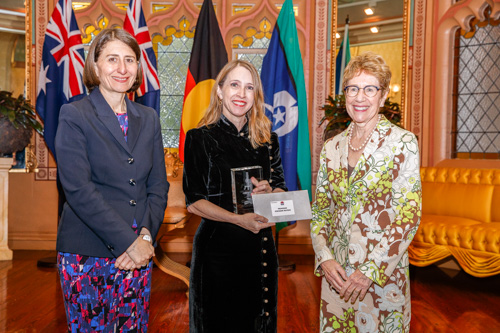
<point x="355" y="286"/>
<point x="124" y="262"/>
<point x="261" y="187"/>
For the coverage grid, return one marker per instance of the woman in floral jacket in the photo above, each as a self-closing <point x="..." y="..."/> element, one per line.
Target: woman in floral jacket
<point x="367" y="210"/>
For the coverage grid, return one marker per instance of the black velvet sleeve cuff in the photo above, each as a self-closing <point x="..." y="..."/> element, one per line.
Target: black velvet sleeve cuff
<point x="277" y="175"/>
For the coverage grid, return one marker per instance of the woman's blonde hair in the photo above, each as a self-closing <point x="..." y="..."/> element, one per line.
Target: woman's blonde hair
<point x="90" y="78"/>
<point x="259" y="126"/>
<point x="369" y="63"/>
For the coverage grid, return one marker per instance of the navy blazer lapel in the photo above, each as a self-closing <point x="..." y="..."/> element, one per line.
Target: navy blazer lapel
<point x="106" y="115"/>
<point x="134" y="124"/>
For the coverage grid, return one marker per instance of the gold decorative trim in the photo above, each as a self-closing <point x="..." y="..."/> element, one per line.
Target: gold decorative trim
<point x="333" y="46"/>
<point x="79" y="5"/>
<point x="89" y="31"/>
<point x="265" y="30"/>
<point x="161" y="7"/>
<point x="183" y="29"/>
<point x="122" y="6"/>
<point x="295" y="9"/>
<point x="240" y="8"/>
<point x="28" y="49"/>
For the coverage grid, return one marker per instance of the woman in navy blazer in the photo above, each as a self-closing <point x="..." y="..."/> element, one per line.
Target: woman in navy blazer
<point x="112" y="169"/>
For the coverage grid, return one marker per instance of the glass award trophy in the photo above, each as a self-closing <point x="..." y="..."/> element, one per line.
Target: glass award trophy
<point x="242" y="187"/>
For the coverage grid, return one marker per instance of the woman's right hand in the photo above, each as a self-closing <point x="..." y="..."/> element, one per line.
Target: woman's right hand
<point x="253" y="222"/>
<point x="136" y="256"/>
<point x="334" y="274"/>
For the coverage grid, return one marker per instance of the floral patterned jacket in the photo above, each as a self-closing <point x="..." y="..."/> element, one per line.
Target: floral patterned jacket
<point x="367" y="221"/>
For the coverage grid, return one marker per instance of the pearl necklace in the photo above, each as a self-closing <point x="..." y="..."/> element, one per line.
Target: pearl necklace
<point x="366" y="140"/>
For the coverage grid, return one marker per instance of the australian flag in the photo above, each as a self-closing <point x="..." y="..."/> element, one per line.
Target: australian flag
<point x="285" y="99"/>
<point x="149" y="92"/>
<point x="60" y="80"/>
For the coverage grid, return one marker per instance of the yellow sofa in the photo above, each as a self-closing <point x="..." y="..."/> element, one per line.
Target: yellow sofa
<point x="460" y="218"/>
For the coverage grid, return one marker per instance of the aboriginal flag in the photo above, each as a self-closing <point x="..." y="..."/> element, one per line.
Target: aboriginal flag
<point x="208" y="56"/>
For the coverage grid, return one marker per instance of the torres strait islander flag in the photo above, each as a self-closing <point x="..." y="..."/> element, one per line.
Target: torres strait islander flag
<point x="208" y="56"/>
<point x="60" y="79"/>
<point x="149" y="92"/>
<point x="286" y="104"/>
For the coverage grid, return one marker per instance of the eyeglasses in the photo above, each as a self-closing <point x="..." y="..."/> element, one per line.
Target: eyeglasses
<point x="353" y="91"/>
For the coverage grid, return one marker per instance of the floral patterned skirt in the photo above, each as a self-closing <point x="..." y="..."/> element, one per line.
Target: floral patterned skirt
<point x="101" y="298"/>
<point x="384" y="309"/>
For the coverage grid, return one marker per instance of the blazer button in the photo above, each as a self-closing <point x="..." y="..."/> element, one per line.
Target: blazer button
<point x="272" y="170"/>
<point x="270" y="146"/>
<point x="264" y="275"/>
<point x="270" y="181"/>
<point x="130" y="160"/>
<point x="132" y="182"/>
<point x="264" y="239"/>
<point x="132" y="202"/>
<point x="266" y="301"/>
<point x="264" y="264"/>
<point x="267" y="314"/>
<point x="266" y="289"/>
<point x="270" y="158"/>
<point x="264" y="251"/>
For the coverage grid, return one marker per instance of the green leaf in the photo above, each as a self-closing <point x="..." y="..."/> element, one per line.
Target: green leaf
<point x="19" y="111"/>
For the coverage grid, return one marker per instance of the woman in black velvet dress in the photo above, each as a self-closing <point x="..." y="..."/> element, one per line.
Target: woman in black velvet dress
<point x="234" y="269"/>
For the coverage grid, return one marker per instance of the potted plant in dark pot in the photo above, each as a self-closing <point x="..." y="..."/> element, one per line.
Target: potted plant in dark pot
<point x="338" y="118"/>
<point x="17" y="122"/>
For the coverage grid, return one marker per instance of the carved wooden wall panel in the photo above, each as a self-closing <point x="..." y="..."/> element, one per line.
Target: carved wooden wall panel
<point x="320" y="85"/>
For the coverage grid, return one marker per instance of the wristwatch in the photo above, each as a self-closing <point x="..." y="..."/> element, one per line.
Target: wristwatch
<point x="147" y="238"/>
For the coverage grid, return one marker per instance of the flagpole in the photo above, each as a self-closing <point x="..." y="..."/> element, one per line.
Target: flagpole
<point x="342" y="61"/>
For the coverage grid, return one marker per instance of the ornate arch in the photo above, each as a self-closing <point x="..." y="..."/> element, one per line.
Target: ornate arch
<point x="455" y="17"/>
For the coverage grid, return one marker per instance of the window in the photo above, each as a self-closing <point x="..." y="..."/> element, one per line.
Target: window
<point x="476" y="129"/>
<point x="253" y="48"/>
<point x="173" y="54"/>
